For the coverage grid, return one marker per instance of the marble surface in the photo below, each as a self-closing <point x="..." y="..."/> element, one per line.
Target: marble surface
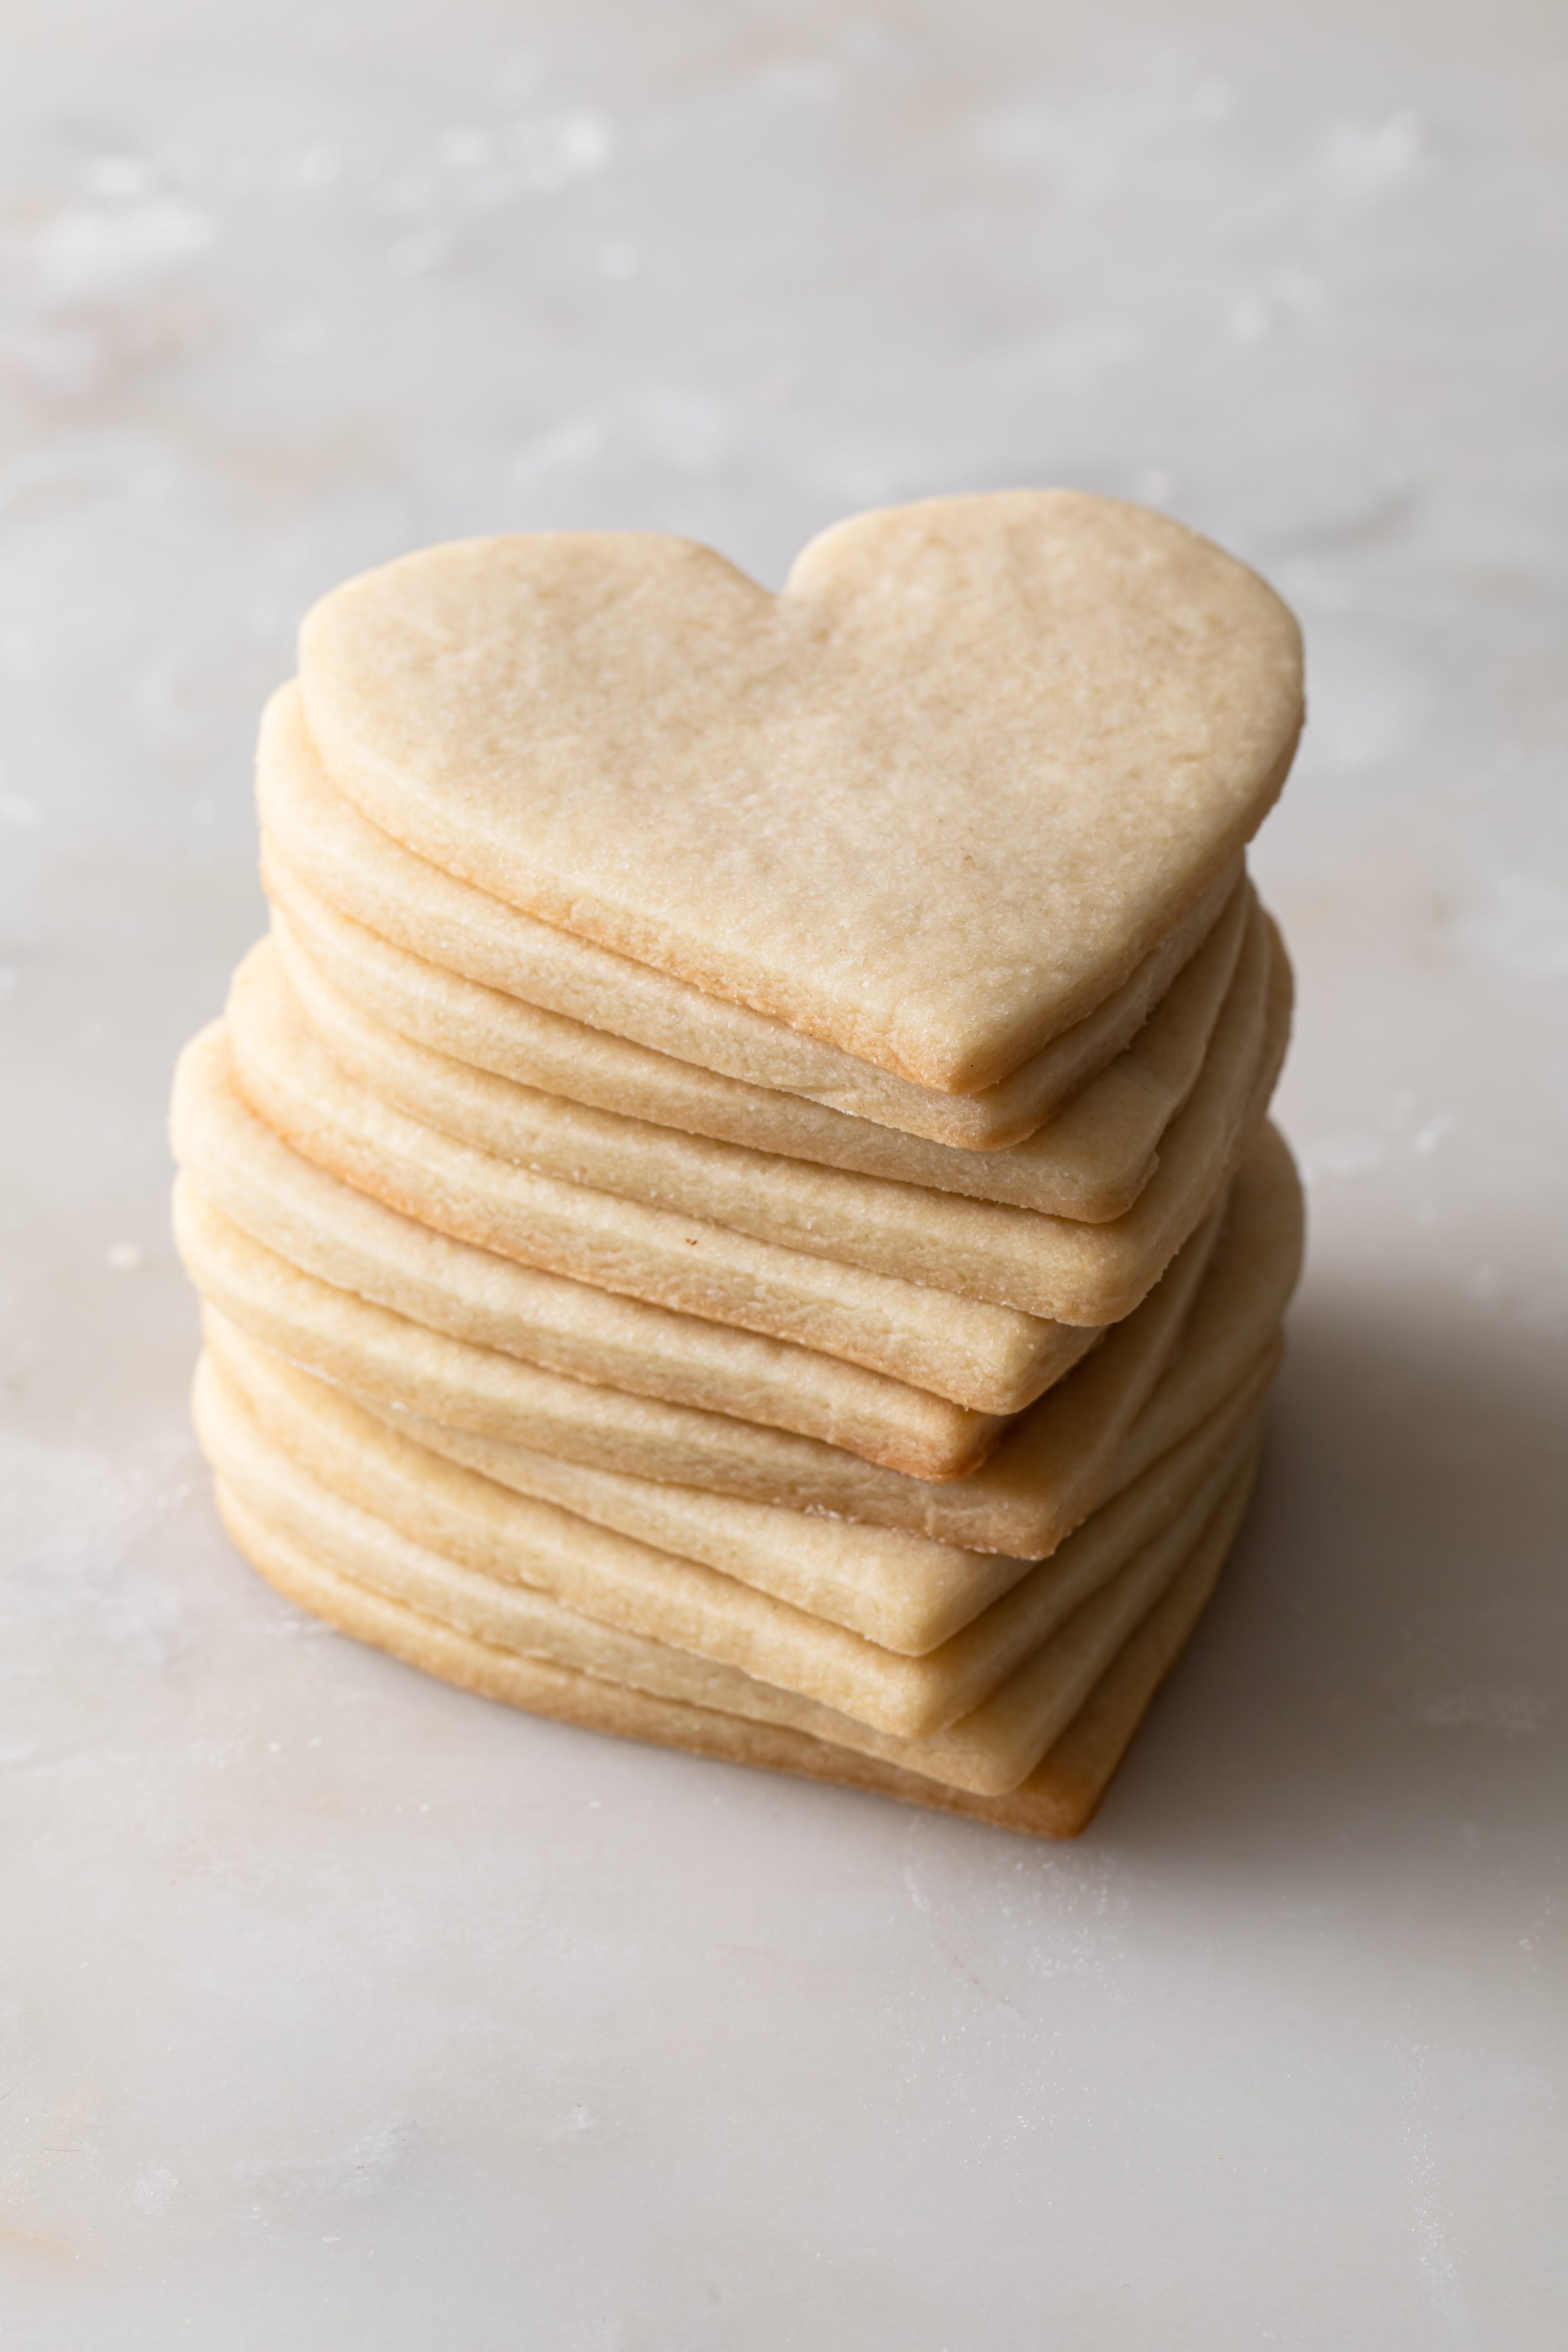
<point x="339" y="2011"/>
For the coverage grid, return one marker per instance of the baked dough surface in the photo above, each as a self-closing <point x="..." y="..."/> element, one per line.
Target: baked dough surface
<point x="931" y="804"/>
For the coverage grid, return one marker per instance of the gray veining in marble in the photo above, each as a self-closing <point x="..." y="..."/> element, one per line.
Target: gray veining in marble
<point x="338" y="2010"/>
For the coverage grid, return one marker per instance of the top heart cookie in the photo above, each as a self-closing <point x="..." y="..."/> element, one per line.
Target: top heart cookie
<point x="932" y="803"/>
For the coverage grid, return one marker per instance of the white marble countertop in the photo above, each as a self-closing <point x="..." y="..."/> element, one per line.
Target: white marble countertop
<point x="339" y="2011"/>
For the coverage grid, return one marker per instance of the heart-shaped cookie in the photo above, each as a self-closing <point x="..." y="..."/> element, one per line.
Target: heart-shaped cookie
<point x="932" y="803"/>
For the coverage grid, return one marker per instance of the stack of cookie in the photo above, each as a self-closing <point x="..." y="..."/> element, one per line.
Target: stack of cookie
<point x="734" y="1204"/>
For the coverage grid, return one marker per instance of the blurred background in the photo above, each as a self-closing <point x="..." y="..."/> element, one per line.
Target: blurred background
<point x="344" y="2008"/>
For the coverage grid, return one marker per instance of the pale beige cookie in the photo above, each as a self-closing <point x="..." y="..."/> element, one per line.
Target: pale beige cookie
<point x="988" y="1746"/>
<point x="623" y="1582"/>
<point x="1061" y="1457"/>
<point x="577" y="1323"/>
<point x="1091" y="1161"/>
<point x="313" y="833"/>
<point x="974" y="1249"/>
<point x="932" y="804"/>
<point x="992" y="1750"/>
<point x="668" y="1238"/>
<point x="589" y="1336"/>
<point x="997" y="1359"/>
<point x="381" y="1353"/>
<point x="903" y="1591"/>
<point x="1058" y="1800"/>
<point x="1097" y="1272"/>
